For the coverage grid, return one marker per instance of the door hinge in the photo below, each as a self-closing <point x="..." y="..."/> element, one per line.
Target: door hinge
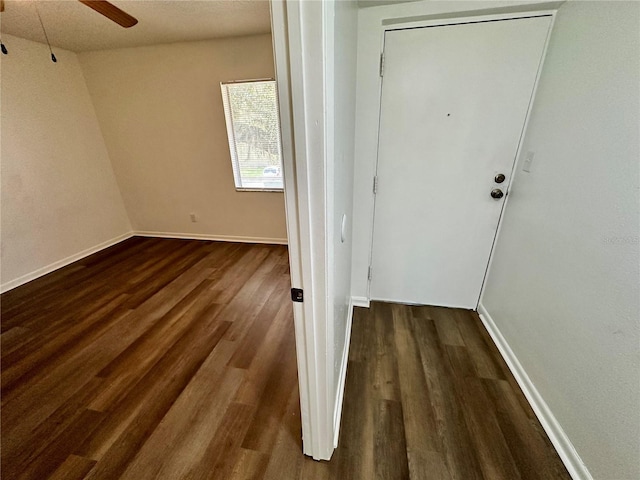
<point x="375" y="185"/>
<point x="369" y="273"/>
<point x="382" y="64"/>
<point x="296" y="295"/>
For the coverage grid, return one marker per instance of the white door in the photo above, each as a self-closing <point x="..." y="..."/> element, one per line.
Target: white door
<point x="454" y="102"/>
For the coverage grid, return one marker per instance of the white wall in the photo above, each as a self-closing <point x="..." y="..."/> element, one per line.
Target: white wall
<point x="564" y="285"/>
<point x="343" y="88"/>
<point x="59" y="194"/>
<point x="161" y="114"/>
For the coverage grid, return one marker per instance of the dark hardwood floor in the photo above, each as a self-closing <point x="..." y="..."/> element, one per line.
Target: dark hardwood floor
<point x="429" y="397"/>
<point x="175" y="359"/>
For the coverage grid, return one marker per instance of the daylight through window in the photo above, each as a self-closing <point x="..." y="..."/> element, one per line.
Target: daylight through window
<point x="253" y="128"/>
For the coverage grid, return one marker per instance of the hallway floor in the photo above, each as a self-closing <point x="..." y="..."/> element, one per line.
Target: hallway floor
<point x="428" y="396"/>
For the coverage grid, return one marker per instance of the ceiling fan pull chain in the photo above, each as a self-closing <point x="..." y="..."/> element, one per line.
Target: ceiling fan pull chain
<point x="2" y="47"/>
<point x="53" y="57"/>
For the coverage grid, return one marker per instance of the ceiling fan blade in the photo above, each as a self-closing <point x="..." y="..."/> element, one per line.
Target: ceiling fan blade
<point x="111" y="12"/>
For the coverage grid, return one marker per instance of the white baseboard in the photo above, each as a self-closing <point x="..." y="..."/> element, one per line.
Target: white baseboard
<point x="337" y="414"/>
<point x="360" y="302"/>
<point x="572" y="461"/>
<point x="11" y="284"/>
<point x="217" y="238"/>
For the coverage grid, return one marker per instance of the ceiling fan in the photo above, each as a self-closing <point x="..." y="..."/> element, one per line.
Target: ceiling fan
<point x="105" y="8"/>
<point x="112" y="12"/>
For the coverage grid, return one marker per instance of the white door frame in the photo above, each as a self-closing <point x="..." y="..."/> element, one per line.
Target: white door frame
<point x="300" y="60"/>
<point x="371" y="24"/>
<point x="303" y="61"/>
<point x="453" y="20"/>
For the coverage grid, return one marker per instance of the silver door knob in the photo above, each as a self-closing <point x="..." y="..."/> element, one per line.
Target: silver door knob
<point x="497" y="193"/>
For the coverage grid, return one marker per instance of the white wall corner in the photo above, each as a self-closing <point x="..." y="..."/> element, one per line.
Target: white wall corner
<point x="11" y="284"/>
<point x="337" y="414"/>
<point x="568" y="454"/>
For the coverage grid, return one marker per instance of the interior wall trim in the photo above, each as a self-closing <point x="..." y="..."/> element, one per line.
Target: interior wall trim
<point x="560" y="440"/>
<point x="11" y="284"/>
<point x="360" y="302"/>
<point x="217" y="238"/>
<point x="337" y="414"/>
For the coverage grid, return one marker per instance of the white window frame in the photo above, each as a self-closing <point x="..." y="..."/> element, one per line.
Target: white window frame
<point x="235" y="164"/>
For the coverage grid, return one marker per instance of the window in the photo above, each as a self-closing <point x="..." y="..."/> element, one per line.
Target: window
<point x="253" y="128"/>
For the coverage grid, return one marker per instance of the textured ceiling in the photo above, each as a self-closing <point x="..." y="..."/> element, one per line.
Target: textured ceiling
<point x="74" y="26"/>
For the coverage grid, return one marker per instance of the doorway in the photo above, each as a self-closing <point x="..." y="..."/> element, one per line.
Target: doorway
<point x="454" y="102"/>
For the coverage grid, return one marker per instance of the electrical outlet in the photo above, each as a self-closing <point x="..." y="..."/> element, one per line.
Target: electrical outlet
<point x="528" y="160"/>
<point x="193" y="217"/>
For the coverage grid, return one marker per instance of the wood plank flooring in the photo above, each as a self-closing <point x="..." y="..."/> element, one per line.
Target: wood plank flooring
<point x="428" y="396"/>
<point x="175" y="359"/>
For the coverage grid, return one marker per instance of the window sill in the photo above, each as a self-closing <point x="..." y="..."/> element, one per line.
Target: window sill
<point x="259" y="189"/>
